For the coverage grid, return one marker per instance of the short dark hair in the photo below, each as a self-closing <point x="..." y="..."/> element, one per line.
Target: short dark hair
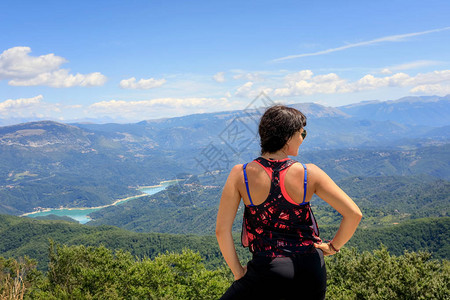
<point x="277" y="125"/>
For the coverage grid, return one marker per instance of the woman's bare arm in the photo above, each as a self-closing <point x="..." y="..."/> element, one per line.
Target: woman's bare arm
<point x="229" y="204"/>
<point x="327" y="190"/>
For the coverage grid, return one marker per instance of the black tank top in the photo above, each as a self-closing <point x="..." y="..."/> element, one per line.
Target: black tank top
<point x="278" y="226"/>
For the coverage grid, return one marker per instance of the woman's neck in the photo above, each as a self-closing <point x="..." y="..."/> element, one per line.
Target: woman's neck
<point x="275" y="156"/>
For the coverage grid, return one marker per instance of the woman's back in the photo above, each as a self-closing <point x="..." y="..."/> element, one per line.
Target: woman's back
<point x="275" y="224"/>
<point x="259" y="182"/>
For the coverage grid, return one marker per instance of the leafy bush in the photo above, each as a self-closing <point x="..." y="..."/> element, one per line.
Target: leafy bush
<point x="379" y="275"/>
<point x="80" y="272"/>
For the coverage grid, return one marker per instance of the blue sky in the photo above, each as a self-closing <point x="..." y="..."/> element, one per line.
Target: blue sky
<point x="127" y="61"/>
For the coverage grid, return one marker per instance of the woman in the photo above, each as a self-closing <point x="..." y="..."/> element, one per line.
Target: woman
<point x="279" y="227"/>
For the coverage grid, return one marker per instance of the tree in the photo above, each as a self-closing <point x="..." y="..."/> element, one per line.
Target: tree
<point x="16" y="277"/>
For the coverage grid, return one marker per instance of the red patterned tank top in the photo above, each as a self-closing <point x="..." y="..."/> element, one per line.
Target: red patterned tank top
<point x="278" y="226"/>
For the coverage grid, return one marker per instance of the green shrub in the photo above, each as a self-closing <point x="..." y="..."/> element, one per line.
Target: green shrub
<point x="379" y="275"/>
<point x="80" y="272"/>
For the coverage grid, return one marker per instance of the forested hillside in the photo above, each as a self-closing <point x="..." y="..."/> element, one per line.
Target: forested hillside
<point x="98" y="273"/>
<point x="23" y="236"/>
<point x="192" y="209"/>
<point x="52" y="165"/>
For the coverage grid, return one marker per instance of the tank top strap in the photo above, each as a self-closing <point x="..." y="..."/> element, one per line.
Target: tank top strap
<point x="246" y="184"/>
<point x="286" y="164"/>
<point x="305" y="184"/>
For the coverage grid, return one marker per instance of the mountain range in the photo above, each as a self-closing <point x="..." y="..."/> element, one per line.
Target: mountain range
<point x="417" y="111"/>
<point x="51" y="164"/>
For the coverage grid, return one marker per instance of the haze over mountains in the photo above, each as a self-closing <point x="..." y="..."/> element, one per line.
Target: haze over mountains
<point x="50" y="164"/>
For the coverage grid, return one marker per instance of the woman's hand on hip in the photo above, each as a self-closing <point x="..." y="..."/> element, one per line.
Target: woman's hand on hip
<point x="326" y="248"/>
<point x="241" y="274"/>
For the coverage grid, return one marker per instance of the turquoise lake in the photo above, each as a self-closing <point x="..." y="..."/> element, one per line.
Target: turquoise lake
<point x="81" y="214"/>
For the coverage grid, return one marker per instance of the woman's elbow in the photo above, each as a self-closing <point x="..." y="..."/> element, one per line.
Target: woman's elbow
<point x="218" y="231"/>
<point x="357" y="215"/>
<point x="221" y="230"/>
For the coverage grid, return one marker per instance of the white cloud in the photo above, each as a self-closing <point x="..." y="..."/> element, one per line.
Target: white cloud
<point x="432" y="77"/>
<point x="18" y="104"/>
<point x="301" y="75"/>
<point x="61" y="79"/>
<point x="401" y="80"/>
<point x="16" y="63"/>
<point x="219" y="77"/>
<point x="244" y="90"/>
<point x="369" y="82"/>
<point x="28" y="108"/>
<point x="432" y="89"/>
<point x="143" y="84"/>
<point x="21" y="69"/>
<point x="13" y="111"/>
<point x="250" y="91"/>
<point x="305" y="83"/>
<point x="121" y="105"/>
<point x="390" y="38"/>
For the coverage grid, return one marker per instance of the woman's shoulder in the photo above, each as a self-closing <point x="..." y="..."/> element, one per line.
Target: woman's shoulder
<point x="236" y="170"/>
<point x="299" y="165"/>
<point x="312" y="169"/>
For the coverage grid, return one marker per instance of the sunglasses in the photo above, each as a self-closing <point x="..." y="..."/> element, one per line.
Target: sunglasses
<point x="303" y="133"/>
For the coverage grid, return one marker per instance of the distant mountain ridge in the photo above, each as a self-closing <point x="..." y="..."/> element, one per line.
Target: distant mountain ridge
<point x="47" y="134"/>
<point x="419" y="111"/>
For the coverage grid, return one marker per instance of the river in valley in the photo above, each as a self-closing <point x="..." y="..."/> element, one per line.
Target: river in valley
<point x="80" y="214"/>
